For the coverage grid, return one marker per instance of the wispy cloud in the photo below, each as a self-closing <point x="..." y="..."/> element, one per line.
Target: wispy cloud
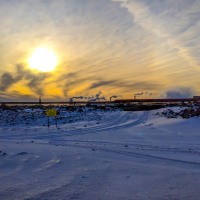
<point x="125" y="85"/>
<point x="119" y="46"/>
<point x="157" y="24"/>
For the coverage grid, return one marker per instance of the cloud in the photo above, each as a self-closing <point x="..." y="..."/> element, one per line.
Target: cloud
<point x="70" y="81"/>
<point x="135" y="85"/>
<point x="160" y="27"/>
<point x="102" y="83"/>
<point x="146" y="85"/>
<point x="6" y="81"/>
<point x="34" y="80"/>
<point x="179" y="92"/>
<point x="126" y="45"/>
<point x="15" y="95"/>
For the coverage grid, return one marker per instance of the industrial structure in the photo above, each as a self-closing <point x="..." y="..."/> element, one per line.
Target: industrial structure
<point x="195" y="99"/>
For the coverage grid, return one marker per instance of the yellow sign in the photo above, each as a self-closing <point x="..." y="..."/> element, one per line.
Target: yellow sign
<point x="51" y="112"/>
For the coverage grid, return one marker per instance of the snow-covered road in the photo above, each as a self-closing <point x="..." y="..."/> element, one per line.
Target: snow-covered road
<point x="99" y="155"/>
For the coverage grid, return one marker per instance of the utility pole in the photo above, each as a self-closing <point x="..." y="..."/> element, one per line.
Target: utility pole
<point x="40" y="100"/>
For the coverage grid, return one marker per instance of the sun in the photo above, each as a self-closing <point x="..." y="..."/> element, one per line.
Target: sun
<point x="43" y="60"/>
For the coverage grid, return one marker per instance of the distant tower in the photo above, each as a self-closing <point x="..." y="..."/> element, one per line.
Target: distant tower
<point x="40" y="100"/>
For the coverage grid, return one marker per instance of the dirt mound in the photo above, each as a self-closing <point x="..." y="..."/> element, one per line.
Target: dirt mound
<point x="183" y="113"/>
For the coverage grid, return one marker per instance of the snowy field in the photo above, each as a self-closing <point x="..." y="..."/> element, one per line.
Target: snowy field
<point x="99" y="155"/>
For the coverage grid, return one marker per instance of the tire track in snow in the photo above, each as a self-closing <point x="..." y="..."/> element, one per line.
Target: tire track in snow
<point x="119" y="120"/>
<point x="118" y="124"/>
<point x="135" y="146"/>
<point x="184" y="163"/>
<point x="122" y="122"/>
<point x="115" y="125"/>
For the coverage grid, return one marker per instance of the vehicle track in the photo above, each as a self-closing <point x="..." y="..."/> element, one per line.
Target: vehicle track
<point x="118" y="148"/>
<point x="118" y="125"/>
<point x="144" y="156"/>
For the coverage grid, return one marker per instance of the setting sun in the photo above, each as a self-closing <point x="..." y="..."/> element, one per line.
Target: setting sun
<point x="43" y="60"/>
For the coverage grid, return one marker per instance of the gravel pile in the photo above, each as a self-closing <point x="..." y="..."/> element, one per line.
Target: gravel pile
<point x="183" y="113"/>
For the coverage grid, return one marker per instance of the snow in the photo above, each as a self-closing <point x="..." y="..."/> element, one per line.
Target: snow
<point x="98" y="154"/>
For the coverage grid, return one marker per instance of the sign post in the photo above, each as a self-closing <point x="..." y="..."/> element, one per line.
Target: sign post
<point x="51" y="113"/>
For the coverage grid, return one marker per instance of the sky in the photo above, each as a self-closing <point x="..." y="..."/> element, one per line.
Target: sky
<point x="118" y="47"/>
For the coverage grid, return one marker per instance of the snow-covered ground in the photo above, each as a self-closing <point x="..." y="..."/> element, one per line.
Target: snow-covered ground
<point x="98" y="155"/>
